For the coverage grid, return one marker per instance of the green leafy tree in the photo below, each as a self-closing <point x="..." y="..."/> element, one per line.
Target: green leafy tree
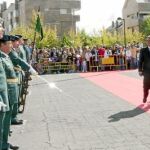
<point x="65" y="41"/>
<point x="50" y="38"/>
<point x="85" y="38"/>
<point x="81" y="38"/>
<point x="50" y="35"/>
<point x="110" y="39"/>
<point x="145" y="26"/>
<point x="134" y="36"/>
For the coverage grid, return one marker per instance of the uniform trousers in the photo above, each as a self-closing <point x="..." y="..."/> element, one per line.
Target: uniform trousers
<point x="146" y="85"/>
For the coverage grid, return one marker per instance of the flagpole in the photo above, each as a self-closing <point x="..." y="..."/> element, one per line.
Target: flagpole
<point x="34" y="45"/>
<point x="34" y="39"/>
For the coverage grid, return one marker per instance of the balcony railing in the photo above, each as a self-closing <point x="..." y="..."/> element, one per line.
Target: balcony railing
<point x="65" y="4"/>
<point x="144" y="6"/>
<point x="69" y="17"/>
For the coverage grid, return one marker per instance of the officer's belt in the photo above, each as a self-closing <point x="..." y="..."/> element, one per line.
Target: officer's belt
<point x="12" y="80"/>
<point x="17" y="69"/>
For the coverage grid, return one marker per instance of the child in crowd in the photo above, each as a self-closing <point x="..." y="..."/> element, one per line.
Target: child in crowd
<point x="84" y="65"/>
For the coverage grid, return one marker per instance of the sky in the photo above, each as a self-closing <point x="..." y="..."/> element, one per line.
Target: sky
<point x="96" y="14"/>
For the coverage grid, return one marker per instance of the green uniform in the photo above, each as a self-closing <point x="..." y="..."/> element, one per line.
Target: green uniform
<point x="28" y="53"/>
<point x="22" y="53"/>
<point x="17" y="61"/>
<point x="12" y="96"/>
<point x="3" y="98"/>
<point x="2" y="115"/>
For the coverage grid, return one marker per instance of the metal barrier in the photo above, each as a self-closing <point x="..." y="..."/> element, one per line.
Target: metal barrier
<point x="55" y="66"/>
<point x="111" y="62"/>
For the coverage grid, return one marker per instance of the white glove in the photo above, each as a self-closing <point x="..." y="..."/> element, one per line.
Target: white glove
<point x="33" y="72"/>
<point x="2" y="105"/>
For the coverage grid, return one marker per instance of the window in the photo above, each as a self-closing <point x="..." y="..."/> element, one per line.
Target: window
<point x="9" y="16"/>
<point x="15" y="24"/>
<point x="14" y="13"/>
<point x="46" y="9"/>
<point x="63" y="11"/>
<point x="9" y="28"/>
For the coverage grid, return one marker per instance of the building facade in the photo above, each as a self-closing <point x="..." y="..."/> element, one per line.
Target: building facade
<point x="59" y="14"/>
<point x="3" y="7"/>
<point x="134" y="12"/>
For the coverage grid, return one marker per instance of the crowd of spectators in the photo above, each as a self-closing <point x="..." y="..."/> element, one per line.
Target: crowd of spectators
<point x="83" y="57"/>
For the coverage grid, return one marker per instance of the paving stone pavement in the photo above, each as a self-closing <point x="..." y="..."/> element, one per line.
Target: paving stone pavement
<point x="78" y="115"/>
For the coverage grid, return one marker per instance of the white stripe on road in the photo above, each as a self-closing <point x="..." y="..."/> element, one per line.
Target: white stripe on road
<point x="51" y="85"/>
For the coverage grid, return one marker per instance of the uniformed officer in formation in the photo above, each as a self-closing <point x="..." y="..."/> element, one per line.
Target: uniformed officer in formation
<point x="5" y="48"/>
<point x="21" y="50"/>
<point x="11" y="66"/>
<point x="27" y="50"/>
<point x="19" y="66"/>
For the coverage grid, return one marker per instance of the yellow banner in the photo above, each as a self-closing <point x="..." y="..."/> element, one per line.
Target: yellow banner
<point x="108" y="61"/>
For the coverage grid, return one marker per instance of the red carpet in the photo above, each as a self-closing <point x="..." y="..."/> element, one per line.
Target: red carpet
<point x="127" y="88"/>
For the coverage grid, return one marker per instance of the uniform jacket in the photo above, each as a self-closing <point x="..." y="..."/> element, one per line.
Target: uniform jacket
<point x="17" y="61"/>
<point x="3" y="86"/>
<point x="22" y="53"/>
<point x="28" y="53"/>
<point x="144" y="61"/>
<point x="10" y="74"/>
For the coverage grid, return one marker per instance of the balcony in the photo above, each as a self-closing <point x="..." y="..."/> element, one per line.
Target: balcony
<point x="69" y="17"/>
<point x="144" y="7"/>
<point x="67" y="4"/>
<point x="73" y="4"/>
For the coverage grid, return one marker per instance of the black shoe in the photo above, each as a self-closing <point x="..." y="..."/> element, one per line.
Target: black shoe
<point x="10" y="132"/>
<point x="13" y="147"/>
<point x="144" y="100"/>
<point x="17" y="122"/>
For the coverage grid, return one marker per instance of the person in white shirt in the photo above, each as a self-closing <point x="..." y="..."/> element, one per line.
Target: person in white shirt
<point x="95" y="57"/>
<point x="84" y="65"/>
<point x="128" y="57"/>
<point x="106" y="53"/>
<point x="78" y="61"/>
<point x="88" y="56"/>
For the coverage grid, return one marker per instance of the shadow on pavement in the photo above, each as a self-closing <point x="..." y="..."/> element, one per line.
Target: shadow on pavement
<point x="130" y="113"/>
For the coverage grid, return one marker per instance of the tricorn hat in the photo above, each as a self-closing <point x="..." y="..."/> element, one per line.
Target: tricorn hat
<point x="5" y="38"/>
<point x="14" y="38"/>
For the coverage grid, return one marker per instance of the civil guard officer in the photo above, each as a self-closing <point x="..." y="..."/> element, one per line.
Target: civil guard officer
<point x="27" y="50"/>
<point x="5" y="48"/>
<point x="3" y="93"/>
<point x="19" y="66"/>
<point x="21" y="51"/>
<point x="4" y="104"/>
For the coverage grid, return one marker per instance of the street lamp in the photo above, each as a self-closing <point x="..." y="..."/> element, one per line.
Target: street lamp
<point x="125" y="43"/>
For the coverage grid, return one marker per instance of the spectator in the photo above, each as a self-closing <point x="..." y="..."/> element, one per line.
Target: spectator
<point x="133" y="56"/>
<point x="88" y="56"/>
<point x="128" y="57"/>
<point x="84" y="65"/>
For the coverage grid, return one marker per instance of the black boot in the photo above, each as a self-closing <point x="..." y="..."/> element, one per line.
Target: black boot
<point x="13" y="147"/>
<point x="17" y="122"/>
